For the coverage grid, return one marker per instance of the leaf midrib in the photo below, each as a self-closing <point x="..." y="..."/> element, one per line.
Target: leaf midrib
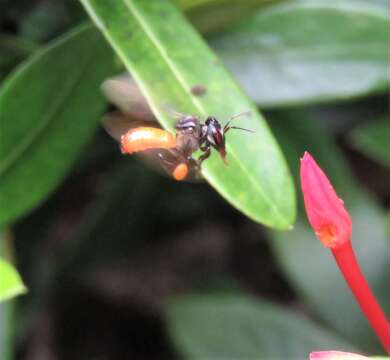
<point x="197" y="104"/>
<point x="39" y="130"/>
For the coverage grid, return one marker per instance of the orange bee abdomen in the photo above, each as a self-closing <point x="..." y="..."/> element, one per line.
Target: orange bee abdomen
<point x="180" y="172"/>
<point x="145" y="138"/>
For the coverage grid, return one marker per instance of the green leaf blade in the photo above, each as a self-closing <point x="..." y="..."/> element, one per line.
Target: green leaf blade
<point x="11" y="283"/>
<point x="166" y="62"/>
<point x="49" y="108"/>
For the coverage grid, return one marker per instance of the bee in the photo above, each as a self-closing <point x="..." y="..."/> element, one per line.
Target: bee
<point x="174" y="152"/>
<point x="209" y="134"/>
<point x="153" y="143"/>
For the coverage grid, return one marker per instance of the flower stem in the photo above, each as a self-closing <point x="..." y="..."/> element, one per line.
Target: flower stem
<point x="346" y="260"/>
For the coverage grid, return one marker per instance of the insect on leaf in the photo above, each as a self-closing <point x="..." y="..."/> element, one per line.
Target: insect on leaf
<point x="167" y="58"/>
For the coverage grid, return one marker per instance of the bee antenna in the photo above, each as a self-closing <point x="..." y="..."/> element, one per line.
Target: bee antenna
<point x="240" y="128"/>
<point x="227" y="127"/>
<point x="246" y="113"/>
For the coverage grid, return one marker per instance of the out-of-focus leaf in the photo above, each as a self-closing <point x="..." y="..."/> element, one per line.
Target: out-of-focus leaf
<point x="49" y="108"/>
<point x="373" y="140"/>
<point x="7" y="320"/>
<point x="45" y="19"/>
<point x="214" y="15"/>
<point x="11" y="283"/>
<point x="236" y="327"/>
<point x="309" y="266"/>
<point x="187" y="5"/>
<point x="117" y="221"/>
<point x="12" y="50"/>
<point x="299" y="132"/>
<point x="309" y="51"/>
<point x="167" y="61"/>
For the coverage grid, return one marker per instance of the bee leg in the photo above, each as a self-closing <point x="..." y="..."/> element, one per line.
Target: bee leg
<point x="168" y="158"/>
<point x="204" y="156"/>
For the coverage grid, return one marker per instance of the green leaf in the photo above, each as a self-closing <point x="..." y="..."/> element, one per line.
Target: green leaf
<point x="50" y="107"/>
<point x="6" y="330"/>
<point x="44" y="20"/>
<point x="11" y="285"/>
<point x="306" y="52"/>
<point x="236" y="327"/>
<point x="373" y="140"/>
<point x="13" y="49"/>
<point x="214" y="15"/>
<point x="10" y="282"/>
<point x="167" y="58"/>
<point x="307" y="264"/>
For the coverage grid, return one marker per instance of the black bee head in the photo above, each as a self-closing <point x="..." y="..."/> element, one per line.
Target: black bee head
<point x="215" y="135"/>
<point x="187" y="123"/>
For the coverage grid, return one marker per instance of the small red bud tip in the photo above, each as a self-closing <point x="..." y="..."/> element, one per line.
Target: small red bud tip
<point x="335" y="355"/>
<point x="325" y="210"/>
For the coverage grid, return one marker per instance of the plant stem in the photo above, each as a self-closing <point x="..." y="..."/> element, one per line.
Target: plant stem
<point x="346" y="260"/>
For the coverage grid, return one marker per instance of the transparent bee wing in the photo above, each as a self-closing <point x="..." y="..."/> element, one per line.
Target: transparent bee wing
<point x="117" y="124"/>
<point x="122" y="91"/>
<point x="173" y="113"/>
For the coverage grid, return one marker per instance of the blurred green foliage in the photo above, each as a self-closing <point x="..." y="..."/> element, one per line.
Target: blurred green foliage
<point x="63" y="109"/>
<point x="373" y="140"/>
<point x="308" y="52"/>
<point x="251" y="329"/>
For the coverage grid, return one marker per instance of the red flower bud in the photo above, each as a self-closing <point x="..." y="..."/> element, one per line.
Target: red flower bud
<point x="325" y="210"/>
<point x="333" y="226"/>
